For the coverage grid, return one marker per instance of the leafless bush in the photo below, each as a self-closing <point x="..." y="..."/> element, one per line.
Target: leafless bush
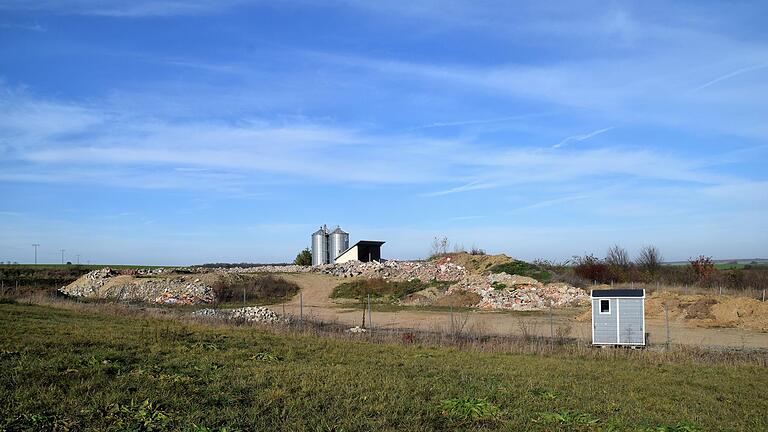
<point x="617" y="256"/>
<point x="439" y="246"/>
<point x="476" y="251"/>
<point x="562" y="332"/>
<point x="527" y="329"/>
<point x="649" y="259"/>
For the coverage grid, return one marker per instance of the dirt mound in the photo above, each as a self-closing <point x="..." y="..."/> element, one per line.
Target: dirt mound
<point x="424" y="297"/>
<point x="709" y="311"/>
<point x="742" y="312"/>
<point x="459" y="298"/>
<point x="476" y="264"/>
<point x="701" y="309"/>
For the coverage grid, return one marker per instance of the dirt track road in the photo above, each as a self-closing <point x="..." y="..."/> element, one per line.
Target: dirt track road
<point x="316" y="290"/>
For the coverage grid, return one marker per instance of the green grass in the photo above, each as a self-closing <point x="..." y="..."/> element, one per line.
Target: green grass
<point x="70" y="370"/>
<point x="523" y="268"/>
<point x="384" y="289"/>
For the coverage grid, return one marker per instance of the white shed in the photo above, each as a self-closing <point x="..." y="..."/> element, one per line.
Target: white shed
<point x="618" y="317"/>
<point x="364" y="250"/>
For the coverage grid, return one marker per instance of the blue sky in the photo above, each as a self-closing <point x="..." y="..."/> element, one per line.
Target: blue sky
<point x="169" y="132"/>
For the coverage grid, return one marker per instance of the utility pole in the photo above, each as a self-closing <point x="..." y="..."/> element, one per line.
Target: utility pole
<point x="62" y="255"/>
<point x="35" y="245"/>
<point x="78" y="259"/>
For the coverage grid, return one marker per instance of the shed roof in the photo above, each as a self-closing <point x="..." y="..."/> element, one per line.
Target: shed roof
<point x="638" y="293"/>
<point x="362" y="243"/>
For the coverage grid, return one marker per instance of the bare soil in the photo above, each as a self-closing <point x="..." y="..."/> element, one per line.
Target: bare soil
<point x="737" y="322"/>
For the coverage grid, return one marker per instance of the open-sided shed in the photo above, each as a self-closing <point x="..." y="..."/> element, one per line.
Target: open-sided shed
<point x="618" y="317"/>
<point x="364" y="251"/>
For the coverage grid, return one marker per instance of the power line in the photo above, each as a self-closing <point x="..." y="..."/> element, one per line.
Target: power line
<point x="62" y="255"/>
<point x="35" y="245"/>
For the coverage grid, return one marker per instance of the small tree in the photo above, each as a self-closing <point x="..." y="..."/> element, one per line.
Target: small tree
<point x="649" y="259"/>
<point x="619" y="264"/>
<point x="439" y="246"/>
<point x="304" y="258"/>
<point x="703" y="268"/>
<point x="617" y="256"/>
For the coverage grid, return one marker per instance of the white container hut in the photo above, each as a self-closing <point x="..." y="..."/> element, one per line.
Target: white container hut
<point x="618" y="317"/>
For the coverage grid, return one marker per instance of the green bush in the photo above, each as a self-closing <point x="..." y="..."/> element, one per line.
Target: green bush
<point x="523" y="268"/>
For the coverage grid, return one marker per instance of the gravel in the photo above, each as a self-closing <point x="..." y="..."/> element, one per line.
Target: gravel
<point x="257" y="314"/>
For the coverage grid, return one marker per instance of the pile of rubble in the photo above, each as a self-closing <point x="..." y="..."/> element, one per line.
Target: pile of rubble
<point x="120" y="285"/>
<point x="292" y="268"/>
<point x="514" y="292"/>
<point x="395" y="270"/>
<point x="245" y="314"/>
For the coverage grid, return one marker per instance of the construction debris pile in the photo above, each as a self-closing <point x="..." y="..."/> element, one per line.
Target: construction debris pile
<point x="123" y="285"/>
<point x="292" y="268"/>
<point x="257" y="314"/>
<point x="513" y="292"/>
<point x="496" y="291"/>
<point x="395" y="270"/>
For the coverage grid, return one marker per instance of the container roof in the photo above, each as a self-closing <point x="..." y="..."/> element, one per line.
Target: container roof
<point x="619" y="293"/>
<point x="338" y="230"/>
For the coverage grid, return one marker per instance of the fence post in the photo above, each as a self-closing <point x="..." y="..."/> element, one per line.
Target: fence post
<point x="763" y="295"/>
<point x="666" y="319"/>
<point x="721" y="291"/>
<point x="551" y="324"/>
<point x="243" y="296"/>
<point x="301" y="308"/>
<point x="452" y="325"/>
<point x="370" y="320"/>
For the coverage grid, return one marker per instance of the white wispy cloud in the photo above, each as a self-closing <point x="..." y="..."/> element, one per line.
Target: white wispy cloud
<point x="121" y="8"/>
<point x="22" y="26"/>
<point x="472" y="186"/>
<point x="582" y="137"/>
<point x="46" y="141"/>
<point x="479" y="121"/>
<point x="730" y="75"/>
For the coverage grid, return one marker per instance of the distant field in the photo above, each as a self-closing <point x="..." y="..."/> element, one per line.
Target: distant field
<point x="68" y="370"/>
<point x="88" y="267"/>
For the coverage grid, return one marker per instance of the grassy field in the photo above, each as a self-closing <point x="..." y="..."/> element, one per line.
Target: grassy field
<point x="79" y="370"/>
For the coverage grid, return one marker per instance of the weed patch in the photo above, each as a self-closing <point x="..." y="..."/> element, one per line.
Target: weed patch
<point x="383" y="289"/>
<point x="523" y="268"/>
<point x="467" y="410"/>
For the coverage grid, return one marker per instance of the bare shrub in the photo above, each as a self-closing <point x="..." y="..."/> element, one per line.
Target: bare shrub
<point x="476" y="251"/>
<point x="562" y="332"/>
<point x="591" y="268"/>
<point x="261" y="288"/>
<point x="439" y="246"/>
<point x="527" y="328"/>
<point x="649" y="259"/>
<point x="617" y="256"/>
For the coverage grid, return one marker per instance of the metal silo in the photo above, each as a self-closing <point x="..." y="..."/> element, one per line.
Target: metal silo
<point x="338" y="242"/>
<point x="320" y="246"/>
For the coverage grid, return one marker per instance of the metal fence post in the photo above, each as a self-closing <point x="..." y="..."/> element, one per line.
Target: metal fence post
<point x="301" y="307"/>
<point x="666" y="319"/>
<point x="370" y="321"/>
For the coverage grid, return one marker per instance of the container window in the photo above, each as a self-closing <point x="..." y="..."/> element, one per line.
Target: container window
<point x="605" y="306"/>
